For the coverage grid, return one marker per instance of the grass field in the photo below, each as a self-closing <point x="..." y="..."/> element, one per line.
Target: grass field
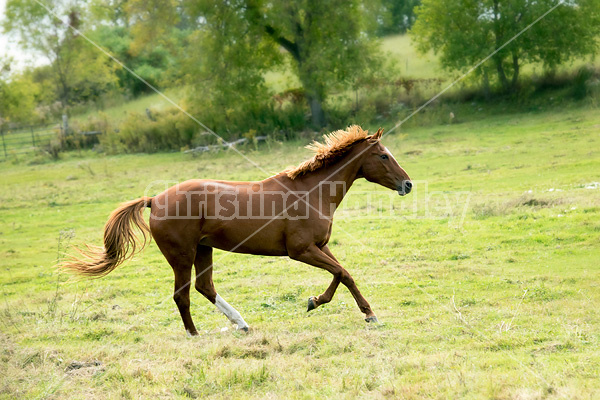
<point x="411" y="63"/>
<point x="485" y="279"/>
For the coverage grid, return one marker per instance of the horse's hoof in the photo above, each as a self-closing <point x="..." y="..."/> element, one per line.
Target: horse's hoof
<point x="244" y="329"/>
<point x="372" y="318"/>
<point x="311" y="304"/>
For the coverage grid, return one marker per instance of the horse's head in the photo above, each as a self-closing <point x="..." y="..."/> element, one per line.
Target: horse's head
<point x="380" y="166"/>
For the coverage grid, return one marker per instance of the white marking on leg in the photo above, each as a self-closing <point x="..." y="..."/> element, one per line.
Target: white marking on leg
<point x="230" y="313"/>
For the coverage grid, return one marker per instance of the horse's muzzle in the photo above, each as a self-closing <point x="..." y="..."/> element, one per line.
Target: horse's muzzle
<point x="405" y="188"/>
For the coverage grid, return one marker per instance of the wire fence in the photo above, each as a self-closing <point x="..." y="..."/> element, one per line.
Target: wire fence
<point x="28" y="139"/>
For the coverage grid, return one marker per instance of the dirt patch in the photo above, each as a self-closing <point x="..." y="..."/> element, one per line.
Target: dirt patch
<point x="239" y="352"/>
<point x="500" y="208"/>
<point x="84" y="368"/>
<point x="536" y="203"/>
<point x="554" y="347"/>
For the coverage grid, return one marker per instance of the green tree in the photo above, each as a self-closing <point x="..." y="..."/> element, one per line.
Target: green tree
<point x="17" y="95"/>
<point x="396" y="16"/>
<point x="78" y="70"/>
<point x="155" y="64"/>
<point x="470" y="30"/>
<point x="233" y="43"/>
<point x="113" y="12"/>
<point x="228" y="59"/>
<point x="147" y="36"/>
<point x="327" y="43"/>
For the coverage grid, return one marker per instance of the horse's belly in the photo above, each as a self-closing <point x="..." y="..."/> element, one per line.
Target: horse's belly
<point x="260" y="237"/>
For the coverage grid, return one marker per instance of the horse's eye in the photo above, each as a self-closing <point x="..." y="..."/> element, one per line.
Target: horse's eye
<point x="384" y="157"/>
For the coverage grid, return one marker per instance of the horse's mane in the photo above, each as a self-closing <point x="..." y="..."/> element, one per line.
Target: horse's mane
<point x="336" y="145"/>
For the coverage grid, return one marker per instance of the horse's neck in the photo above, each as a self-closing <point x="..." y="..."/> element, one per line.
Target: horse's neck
<point x="335" y="180"/>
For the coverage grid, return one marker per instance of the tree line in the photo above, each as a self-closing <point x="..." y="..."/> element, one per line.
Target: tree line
<point x="221" y="51"/>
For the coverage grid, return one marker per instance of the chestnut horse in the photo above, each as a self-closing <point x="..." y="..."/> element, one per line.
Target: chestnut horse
<point x="288" y="214"/>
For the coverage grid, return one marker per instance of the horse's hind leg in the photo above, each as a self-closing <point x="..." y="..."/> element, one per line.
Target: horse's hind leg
<point x="181" y="262"/>
<point x="204" y="284"/>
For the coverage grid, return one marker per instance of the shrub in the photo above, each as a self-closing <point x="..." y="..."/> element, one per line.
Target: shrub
<point x="168" y="130"/>
<point x="81" y="134"/>
<point x="173" y="130"/>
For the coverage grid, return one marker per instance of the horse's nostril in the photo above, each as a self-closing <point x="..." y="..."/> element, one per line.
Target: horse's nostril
<point x="407" y="186"/>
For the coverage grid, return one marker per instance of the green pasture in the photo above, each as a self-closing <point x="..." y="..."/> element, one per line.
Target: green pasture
<point x="411" y="63"/>
<point x="485" y="279"/>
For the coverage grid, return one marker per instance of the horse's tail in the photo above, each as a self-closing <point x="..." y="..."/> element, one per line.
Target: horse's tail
<point x="120" y="242"/>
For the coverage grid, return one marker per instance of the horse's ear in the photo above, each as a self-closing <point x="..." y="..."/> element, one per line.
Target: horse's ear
<point x="377" y="135"/>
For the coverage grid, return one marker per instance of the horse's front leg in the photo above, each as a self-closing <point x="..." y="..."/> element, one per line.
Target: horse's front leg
<point x="327" y="295"/>
<point x="323" y="258"/>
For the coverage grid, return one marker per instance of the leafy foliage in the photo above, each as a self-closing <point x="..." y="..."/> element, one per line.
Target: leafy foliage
<point x="17" y="97"/>
<point x="224" y="55"/>
<point x="471" y="30"/>
<point x="78" y="71"/>
<point x="228" y="64"/>
<point x="396" y="16"/>
<point x="154" y="64"/>
<point x="327" y="44"/>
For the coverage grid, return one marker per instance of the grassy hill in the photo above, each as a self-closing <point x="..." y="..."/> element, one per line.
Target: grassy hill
<point x="485" y="279"/>
<point x="123" y="107"/>
<point x="412" y="64"/>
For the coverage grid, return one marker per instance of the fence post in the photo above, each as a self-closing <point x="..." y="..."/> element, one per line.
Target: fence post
<point x="3" y="142"/>
<point x="32" y="136"/>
